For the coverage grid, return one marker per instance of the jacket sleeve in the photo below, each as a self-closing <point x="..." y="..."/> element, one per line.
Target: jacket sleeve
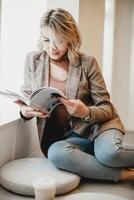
<point x="102" y="109"/>
<point x="26" y="89"/>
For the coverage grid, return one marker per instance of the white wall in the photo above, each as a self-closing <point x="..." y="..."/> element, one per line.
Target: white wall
<point x="20" y="30"/>
<point x="0" y="19"/>
<point x="131" y="76"/>
<point x="108" y="42"/>
<point x="91" y="24"/>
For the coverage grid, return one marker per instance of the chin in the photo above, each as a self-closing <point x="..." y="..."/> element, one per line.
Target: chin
<point x="55" y="57"/>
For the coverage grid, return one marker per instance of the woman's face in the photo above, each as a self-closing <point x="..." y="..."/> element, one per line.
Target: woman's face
<point x="54" y="45"/>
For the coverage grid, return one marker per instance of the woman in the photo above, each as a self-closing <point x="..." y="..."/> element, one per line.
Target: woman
<point x="93" y="145"/>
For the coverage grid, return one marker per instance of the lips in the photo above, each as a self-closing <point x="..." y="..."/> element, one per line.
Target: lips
<point x="54" y="53"/>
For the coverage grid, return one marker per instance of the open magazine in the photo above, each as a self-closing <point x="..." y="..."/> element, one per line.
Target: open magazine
<point x="44" y="98"/>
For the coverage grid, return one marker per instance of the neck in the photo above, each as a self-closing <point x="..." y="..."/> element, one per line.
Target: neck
<point x="64" y="58"/>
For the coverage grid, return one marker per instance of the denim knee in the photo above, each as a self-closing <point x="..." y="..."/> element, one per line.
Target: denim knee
<point x="60" y="153"/>
<point x="108" y="148"/>
<point x="106" y="157"/>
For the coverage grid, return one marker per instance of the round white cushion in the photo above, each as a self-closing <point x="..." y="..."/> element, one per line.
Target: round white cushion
<point x="93" y="196"/>
<point x="18" y="176"/>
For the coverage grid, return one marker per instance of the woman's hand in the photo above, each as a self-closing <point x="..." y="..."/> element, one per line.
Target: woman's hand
<point x="28" y="111"/>
<point x="75" y="107"/>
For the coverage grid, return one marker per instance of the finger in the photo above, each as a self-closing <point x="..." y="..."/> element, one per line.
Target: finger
<point x="19" y="102"/>
<point x="70" y="111"/>
<point x="67" y="102"/>
<point x="40" y="111"/>
<point x="38" y="114"/>
<point x="43" y="115"/>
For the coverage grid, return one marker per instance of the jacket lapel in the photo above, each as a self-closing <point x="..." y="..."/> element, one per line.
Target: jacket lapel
<point x="43" y="67"/>
<point x="73" y="80"/>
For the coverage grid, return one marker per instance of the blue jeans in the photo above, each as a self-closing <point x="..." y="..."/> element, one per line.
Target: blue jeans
<point x="103" y="159"/>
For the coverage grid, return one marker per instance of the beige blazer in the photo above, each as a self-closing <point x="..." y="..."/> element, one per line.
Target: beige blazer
<point x="85" y="82"/>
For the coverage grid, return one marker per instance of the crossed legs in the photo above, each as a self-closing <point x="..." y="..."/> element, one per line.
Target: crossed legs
<point x="108" y="161"/>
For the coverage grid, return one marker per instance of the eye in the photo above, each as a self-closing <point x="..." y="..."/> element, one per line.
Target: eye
<point x="45" y="40"/>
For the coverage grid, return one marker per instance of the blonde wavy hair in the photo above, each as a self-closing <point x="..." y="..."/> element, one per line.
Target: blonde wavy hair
<point x="62" y="22"/>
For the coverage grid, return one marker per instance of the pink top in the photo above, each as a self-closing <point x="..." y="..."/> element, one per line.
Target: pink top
<point x="61" y="85"/>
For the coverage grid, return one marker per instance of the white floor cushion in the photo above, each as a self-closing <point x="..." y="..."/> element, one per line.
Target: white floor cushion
<point x="18" y="176"/>
<point x="93" y="196"/>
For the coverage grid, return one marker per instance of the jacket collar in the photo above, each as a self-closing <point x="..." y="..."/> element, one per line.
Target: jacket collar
<point x="73" y="80"/>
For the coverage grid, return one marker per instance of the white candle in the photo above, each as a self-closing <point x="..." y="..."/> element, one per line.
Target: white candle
<point x="44" y="188"/>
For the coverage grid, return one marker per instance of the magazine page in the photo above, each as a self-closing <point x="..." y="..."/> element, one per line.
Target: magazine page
<point x="46" y="98"/>
<point x="14" y="96"/>
<point x="50" y="89"/>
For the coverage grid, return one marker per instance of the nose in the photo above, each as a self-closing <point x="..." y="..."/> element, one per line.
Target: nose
<point x="53" y="46"/>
